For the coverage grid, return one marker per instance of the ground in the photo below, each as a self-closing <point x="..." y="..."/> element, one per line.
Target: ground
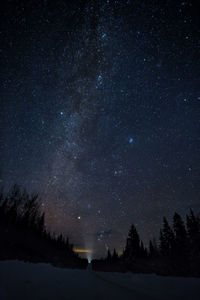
<point x="19" y="280"/>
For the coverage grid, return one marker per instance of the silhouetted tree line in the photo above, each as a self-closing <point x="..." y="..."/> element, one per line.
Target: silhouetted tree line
<point x="23" y="234"/>
<point x="177" y="252"/>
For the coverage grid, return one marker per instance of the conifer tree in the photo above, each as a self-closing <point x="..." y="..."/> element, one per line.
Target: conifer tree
<point x="142" y="251"/>
<point x="153" y="250"/>
<point x="109" y="256"/>
<point x="115" y="255"/>
<point x="180" y="235"/>
<point x="40" y="223"/>
<point x="193" y="230"/>
<point x="166" y="239"/>
<point x="132" y="249"/>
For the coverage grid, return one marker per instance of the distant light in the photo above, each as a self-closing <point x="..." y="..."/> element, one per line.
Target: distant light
<point x="61" y="113"/>
<point x="79" y="217"/>
<point x="77" y="250"/>
<point x="131" y="140"/>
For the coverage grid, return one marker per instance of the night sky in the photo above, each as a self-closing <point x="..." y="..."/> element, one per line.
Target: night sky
<point x="100" y="113"/>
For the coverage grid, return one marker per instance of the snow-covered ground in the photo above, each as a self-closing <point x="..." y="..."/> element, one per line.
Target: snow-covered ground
<point x="19" y="280"/>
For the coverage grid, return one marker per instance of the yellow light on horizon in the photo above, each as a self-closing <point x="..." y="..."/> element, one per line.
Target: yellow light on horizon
<point x="82" y="250"/>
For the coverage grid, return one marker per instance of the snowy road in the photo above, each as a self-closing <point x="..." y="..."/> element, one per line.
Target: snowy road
<point x="20" y="281"/>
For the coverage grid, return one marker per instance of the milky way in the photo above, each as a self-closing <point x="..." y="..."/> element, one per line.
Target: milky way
<point x="100" y="107"/>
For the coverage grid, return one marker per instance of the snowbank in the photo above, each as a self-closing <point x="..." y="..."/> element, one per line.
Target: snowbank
<point x="19" y="280"/>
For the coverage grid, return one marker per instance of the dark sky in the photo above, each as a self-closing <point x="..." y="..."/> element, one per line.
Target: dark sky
<point x="100" y="113"/>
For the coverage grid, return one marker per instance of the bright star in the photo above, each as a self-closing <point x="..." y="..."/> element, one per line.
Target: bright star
<point x="100" y="78"/>
<point x="131" y="140"/>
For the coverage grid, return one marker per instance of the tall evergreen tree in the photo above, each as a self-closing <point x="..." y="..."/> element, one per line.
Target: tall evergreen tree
<point x="132" y="249"/>
<point x="166" y="239"/>
<point x="153" y="250"/>
<point x="40" y="223"/>
<point x="115" y="255"/>
<point x="180" y="235"/>
<point x="142" y="250"/>
<point x="109" y="256"/>
<point x="193" y="230"/>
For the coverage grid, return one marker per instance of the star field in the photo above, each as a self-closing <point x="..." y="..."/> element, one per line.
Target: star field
<point x="100" y="113"/>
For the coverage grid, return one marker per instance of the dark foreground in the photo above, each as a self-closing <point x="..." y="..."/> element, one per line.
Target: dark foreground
<point x="19" y="280"/>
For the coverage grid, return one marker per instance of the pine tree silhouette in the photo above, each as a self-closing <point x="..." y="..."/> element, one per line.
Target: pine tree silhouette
<point x="115" y="255"/>
<point x="109" y="256"/>
<point x="166" y="239"/>
<point x="132" y="249"/>
<point x="142" y="250"/>
<point x="193" y="229"/>
<point x="180" y="235"/>
<point x="153" y="249"/>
